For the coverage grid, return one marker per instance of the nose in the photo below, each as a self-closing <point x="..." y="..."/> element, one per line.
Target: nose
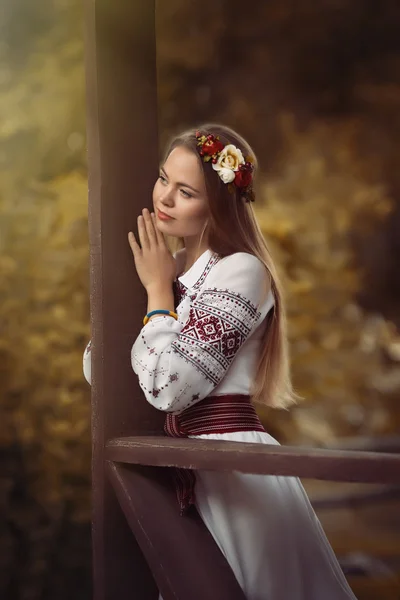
<point x="166" y="198"/>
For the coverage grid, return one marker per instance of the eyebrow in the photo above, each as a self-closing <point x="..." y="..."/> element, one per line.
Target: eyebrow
<point x="180" y="182"/>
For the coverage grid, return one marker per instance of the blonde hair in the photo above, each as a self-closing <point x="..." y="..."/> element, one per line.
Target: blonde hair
<point x="233" y="227"/>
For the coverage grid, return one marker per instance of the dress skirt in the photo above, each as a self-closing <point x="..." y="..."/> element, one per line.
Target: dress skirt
<point x="269" y="533"/>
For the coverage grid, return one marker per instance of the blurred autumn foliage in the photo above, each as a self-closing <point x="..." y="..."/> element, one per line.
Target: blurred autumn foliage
<point x="316" y="89"/>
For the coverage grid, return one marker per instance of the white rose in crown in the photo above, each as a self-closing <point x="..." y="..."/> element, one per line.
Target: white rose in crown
<point x="228" y="162"/>
<point x="227" y="175"/>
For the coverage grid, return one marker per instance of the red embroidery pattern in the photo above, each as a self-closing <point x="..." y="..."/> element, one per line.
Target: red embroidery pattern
<point x="219" y="322"/>
<point x="180" y="290"/>
<point x="155" y="392"/>
<point x="213" y="261"/>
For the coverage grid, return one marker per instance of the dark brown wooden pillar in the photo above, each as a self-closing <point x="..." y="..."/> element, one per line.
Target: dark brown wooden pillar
<point x="123" y="159"/>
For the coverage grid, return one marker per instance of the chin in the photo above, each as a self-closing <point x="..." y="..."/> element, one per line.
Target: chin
<point x="167" y="228"/>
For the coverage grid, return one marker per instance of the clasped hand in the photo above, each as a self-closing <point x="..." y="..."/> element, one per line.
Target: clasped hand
<point x="154" y="262"/>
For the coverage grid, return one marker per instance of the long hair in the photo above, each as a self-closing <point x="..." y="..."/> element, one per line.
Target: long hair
<point x="232" y="227"/>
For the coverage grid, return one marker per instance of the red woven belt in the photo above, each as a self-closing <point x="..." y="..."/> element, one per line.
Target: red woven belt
<point x="214" y="414"/>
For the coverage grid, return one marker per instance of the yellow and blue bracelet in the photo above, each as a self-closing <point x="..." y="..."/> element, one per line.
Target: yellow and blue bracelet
<point x="159" y="312"/>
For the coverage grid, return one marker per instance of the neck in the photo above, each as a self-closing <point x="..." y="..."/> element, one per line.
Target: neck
<point x="193" y="250"/>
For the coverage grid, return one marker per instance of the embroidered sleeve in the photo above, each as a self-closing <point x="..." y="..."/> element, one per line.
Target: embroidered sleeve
<point x="179" y="364"/>
<point x="87" y="356"/>
<point x="87" y="363"/>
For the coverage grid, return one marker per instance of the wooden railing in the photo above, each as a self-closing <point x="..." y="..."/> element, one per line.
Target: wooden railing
<point x="141" y="498"/>
<point x="314" y="463"/>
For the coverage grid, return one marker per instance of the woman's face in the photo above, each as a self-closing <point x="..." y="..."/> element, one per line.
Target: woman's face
<point x="180" y="192"/>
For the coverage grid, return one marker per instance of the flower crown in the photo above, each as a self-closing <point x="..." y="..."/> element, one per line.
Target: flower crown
<point x="229" y="163"/>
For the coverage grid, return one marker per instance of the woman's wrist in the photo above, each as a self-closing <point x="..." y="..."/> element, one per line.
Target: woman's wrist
<point x="160" y="296"/>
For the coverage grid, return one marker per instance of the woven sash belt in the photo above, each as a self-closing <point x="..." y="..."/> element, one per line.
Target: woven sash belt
<point x="214" y="414"/>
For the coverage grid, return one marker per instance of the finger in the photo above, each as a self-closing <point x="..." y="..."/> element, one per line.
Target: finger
<point x="143" y="237"/>
<point x="159" y="235"/>
<point x="136" y="249"/>
<point x="149" y="224"/>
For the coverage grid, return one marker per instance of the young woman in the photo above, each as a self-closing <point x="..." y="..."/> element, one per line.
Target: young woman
<point x="213" y="343"/>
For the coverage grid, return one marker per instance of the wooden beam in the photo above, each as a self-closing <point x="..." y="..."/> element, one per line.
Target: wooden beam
<point x="356" y="499"/>
<point x="120" y="56"/>
<point x="384" y="443"/>
<point x="185" y="561"/>
<point x="311" y="463"/>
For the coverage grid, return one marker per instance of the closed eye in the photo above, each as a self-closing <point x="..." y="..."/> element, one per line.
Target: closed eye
<point x="183" y="192"/>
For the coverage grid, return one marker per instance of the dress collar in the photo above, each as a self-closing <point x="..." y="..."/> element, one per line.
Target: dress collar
<point x="199" y="270"/>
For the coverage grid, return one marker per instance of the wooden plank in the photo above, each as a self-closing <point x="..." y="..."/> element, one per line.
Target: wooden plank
<point x="386" y="588"/>
<point x="123" y="161"/>
<point x="357" y="498"/>
<point x="384" y="546"/>
<point x="385" y="443"/>
<point x="184" y="559"/>
<point x="312" y="463"/>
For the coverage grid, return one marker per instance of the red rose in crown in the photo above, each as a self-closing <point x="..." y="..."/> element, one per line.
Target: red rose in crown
<point x="244" y="176"/>
<point x="209" y="145"/>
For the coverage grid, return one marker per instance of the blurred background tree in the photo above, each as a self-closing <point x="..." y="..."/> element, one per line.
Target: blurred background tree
<point x="316" y="89"/>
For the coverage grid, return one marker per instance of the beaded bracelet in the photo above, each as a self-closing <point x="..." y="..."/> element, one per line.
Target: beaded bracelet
<point x="159" y="312"/>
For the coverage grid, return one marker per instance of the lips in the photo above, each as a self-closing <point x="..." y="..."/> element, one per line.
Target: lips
<point x="163" y="214"/>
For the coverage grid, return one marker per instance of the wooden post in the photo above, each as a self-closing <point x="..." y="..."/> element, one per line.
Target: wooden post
<point x="123" y="161"/>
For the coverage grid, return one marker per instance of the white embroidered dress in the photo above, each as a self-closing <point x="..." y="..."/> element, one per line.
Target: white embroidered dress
<point x="263" y="524"/>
